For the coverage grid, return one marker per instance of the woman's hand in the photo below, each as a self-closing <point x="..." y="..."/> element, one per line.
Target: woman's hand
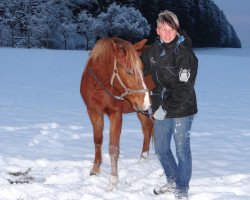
<point x="160" y="113"/>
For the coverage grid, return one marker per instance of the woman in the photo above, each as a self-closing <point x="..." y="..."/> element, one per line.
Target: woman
<point x="173" y="66"/>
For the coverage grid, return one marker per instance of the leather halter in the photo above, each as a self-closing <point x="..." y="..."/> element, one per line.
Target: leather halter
<point x="127" y="90"/>
<point x="115" y="74"/>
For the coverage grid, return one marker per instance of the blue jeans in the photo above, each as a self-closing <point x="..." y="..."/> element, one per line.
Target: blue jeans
<point x="180" y="172"/>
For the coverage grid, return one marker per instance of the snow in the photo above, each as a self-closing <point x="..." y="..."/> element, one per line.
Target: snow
<point x="46" y="137"/>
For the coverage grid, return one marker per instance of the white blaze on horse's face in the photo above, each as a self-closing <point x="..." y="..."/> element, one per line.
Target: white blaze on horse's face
<point x="146" y="103"/>
<point x="142" y="103"/>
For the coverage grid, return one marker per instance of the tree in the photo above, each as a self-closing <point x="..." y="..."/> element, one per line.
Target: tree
<point x="124" y="22"/>
<point x="205" y="23"/>
<point x="2" y="25"/>
<point x="86" y="28"/>
<point x="9" y="21"/>
<point x="60" y="22"/>
<point x="202" y="20"/>
<point x="71" y="24"/>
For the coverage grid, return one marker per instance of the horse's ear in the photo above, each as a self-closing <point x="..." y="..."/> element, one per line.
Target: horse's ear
<point x="140" y="45"/>
<point x="118" y="50"/>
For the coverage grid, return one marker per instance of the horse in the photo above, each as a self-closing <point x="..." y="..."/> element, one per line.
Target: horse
<point x="112" y="84"/>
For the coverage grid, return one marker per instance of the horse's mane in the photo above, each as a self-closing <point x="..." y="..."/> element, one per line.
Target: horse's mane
<point x="102" y="49"/>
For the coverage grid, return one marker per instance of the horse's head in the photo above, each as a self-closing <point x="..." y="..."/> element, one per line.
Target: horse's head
<point x="127" y="75"/>
<point x="140" y="47"/>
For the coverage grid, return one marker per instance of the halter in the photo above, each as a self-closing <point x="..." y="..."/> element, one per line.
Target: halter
<point x="127" y="90"/>
<point x="115" y="74"/>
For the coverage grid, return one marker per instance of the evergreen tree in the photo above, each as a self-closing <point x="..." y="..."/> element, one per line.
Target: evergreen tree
<point x="124" y="22"/>
<point x="73" y="24"/>
<point x="205" y="23"/>
<point x="3" y="26"/>
<point x="87" y="28"/>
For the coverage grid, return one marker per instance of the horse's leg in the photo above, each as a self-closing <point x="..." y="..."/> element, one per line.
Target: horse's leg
<point x="147" y="128"/>
<point x="97" y="122"/>
<point x="114" y="146"/>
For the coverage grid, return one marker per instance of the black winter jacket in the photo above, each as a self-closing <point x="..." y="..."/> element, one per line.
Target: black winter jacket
<point x="173" y="67"/>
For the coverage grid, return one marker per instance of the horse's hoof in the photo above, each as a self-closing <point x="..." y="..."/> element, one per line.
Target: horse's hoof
<point x="94" y="173"/>
<point x="112" y="184"/>
<point x="144" y="155"/>
<point x="95" y="169"/>
<point x="110" y="188"/>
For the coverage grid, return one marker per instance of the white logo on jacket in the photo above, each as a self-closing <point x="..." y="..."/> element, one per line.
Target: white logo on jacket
<point x="184" y="75"/>
<point x="152" y="61"/>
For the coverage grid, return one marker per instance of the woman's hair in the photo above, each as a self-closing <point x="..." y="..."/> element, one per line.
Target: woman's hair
<point x="169" y="18"/>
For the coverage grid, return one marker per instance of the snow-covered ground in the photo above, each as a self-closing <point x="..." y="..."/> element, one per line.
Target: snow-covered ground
<point x="46" y="137"/>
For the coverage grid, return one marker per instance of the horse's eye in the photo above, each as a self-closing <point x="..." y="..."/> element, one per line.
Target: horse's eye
<point x="129" y="71"/>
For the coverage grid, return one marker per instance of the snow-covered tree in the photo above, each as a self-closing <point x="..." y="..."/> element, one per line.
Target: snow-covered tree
<point x="121" y="21"/>
<point x="2" y="25"/>
<point x="59" y="22"/>
<point x="205" y="23"/>
<point x="86" y="24"/>
<point x="8" y="22"/>
<point x="202" y="19"/>
<point x="124" y="22"/>
<point x="71" y="24"/>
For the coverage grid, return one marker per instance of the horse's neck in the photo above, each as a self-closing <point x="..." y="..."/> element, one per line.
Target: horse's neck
<point x="102" y="70"/>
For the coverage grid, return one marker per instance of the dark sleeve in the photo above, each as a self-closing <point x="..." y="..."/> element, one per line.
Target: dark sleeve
<point x="183" y="84"/>
<point x="145" y="59"/>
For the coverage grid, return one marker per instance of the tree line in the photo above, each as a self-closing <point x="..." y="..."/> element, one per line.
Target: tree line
<point x="77" y="24"/>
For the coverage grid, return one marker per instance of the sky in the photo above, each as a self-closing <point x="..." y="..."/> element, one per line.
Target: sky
<point x="46" y="140"/>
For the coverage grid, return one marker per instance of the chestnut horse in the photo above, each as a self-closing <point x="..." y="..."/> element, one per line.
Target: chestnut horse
<point x="112" y="83"/>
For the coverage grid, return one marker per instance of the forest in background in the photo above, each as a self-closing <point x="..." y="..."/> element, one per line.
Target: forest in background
<point x="77" y="24"/>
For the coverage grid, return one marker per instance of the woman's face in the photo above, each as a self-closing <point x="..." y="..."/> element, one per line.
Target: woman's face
<point x="166" y="33"/>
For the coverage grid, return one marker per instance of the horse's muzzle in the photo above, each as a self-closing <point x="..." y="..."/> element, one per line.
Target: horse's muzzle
<point x="144" y="107"/>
